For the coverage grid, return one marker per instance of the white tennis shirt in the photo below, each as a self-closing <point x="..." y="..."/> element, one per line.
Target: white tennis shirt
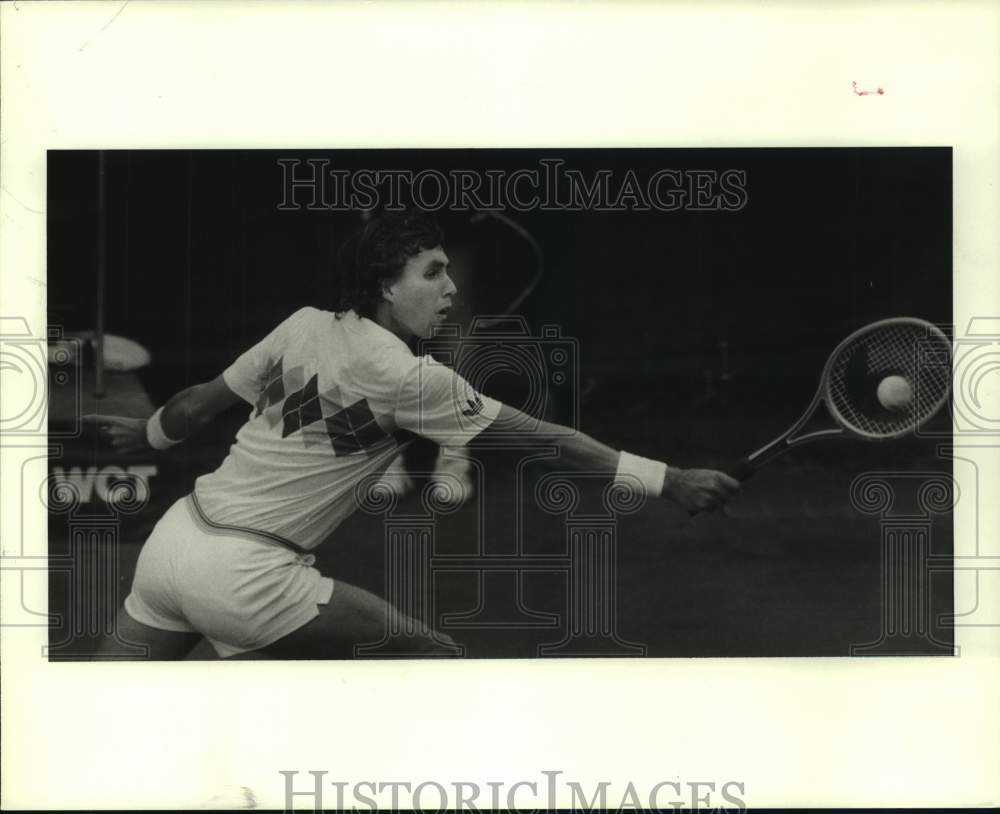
<point x="329" y="397"/>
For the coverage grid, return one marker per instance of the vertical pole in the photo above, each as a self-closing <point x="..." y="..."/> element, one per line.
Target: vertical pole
<point x="188" y="265"/>
<point x="102" y="225"/>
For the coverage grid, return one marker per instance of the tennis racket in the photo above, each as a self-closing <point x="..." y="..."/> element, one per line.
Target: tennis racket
<point x="906" y="347"/>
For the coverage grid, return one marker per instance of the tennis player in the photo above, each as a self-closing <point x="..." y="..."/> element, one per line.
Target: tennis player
<point x="333" y="396"/>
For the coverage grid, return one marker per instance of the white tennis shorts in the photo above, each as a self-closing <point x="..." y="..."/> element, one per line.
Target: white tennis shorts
<point x="240" y="589"/>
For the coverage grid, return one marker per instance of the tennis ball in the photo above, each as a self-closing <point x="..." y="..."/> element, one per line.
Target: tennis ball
<point x="895" y="393"/>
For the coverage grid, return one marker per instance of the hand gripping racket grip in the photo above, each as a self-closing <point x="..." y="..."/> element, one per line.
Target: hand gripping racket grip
<point x="742" y="470"/>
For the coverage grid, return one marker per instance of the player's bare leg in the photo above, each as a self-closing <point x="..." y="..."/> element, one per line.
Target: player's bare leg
<point x="130" y="635"/>
<point x="356" y="617"/>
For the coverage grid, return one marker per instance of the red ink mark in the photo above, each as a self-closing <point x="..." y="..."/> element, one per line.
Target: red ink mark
<point x="857" y="92"/>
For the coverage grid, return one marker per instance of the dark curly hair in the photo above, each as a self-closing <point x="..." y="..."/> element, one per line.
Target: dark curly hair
<point x="376" y="253"/>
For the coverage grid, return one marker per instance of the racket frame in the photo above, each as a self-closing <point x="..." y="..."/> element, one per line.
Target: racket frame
<point x="786" y="440"/>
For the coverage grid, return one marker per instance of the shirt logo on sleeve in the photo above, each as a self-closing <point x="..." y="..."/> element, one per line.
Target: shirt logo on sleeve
<point x="475" y="406"/>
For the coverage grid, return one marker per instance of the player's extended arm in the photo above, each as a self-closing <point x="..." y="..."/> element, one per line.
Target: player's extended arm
<point x="694" y="489"/>
<point x="185" y="413"/>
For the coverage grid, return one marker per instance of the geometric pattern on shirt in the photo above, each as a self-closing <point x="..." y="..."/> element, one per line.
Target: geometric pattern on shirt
<point x="319" y="418"/>
<point x="278" y="382"/>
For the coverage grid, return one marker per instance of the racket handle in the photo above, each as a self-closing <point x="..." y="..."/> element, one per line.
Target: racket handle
<point x="742" y="470"/>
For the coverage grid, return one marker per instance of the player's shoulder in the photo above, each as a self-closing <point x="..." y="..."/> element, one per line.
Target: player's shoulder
<point x="299" y="318"/>
<point x="373" y="351"/>
<point x="425" y="374"/>
<point x="307" y="313"/>
<point x="389" y="359"/>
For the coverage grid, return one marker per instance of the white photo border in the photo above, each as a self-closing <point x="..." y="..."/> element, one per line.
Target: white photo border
<point x="796" y="732"/>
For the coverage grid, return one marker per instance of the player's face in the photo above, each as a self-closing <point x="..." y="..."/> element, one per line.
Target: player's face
<point x="420" y="298"/>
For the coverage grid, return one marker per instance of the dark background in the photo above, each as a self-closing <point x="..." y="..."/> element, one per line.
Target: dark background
<point x="201" y="264"/>
<point x="201" y="261"/>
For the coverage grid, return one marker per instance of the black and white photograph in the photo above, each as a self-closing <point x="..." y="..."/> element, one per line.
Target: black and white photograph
<point x="499" y="406"/>
<point x="501" y="403"/>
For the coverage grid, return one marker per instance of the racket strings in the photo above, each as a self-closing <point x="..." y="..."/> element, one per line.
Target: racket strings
<point x="922" y="357"/>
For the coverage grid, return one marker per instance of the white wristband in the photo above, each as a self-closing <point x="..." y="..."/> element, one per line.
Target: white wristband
<point x="650" y="474"/>
<point x="157" y="438"/>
